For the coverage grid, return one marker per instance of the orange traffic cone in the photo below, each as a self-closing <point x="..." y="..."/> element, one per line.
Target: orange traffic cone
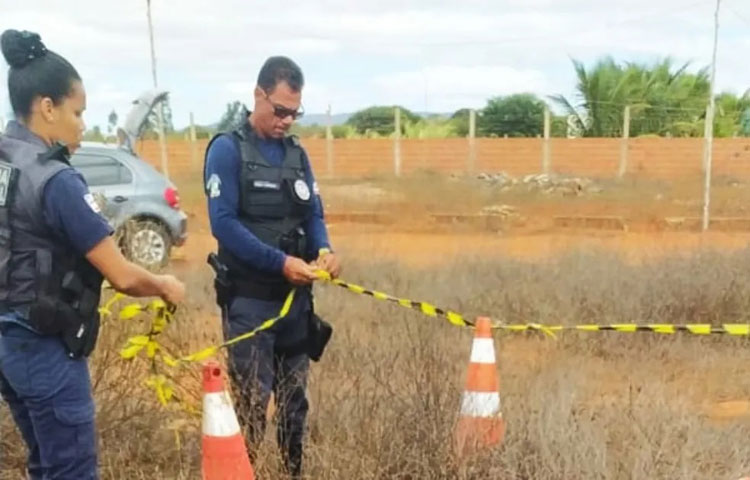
<point x="481" y="421"/>
<point x="224" y="453"/>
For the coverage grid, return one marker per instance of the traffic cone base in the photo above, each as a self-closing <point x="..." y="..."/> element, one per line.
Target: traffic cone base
<point x="473" y="433"/>
<point x="223" y="448"/>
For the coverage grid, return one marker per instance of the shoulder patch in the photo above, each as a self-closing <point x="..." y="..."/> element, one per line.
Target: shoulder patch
<point x="213" y="186"/>
<point x="92" y="203"/>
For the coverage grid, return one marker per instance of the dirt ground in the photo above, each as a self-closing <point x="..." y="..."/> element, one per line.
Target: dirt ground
<point x="421" y="249"/>
<point x="432" y="218"/>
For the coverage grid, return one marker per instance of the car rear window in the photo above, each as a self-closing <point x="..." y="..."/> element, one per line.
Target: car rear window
<point x="99" y="170"/>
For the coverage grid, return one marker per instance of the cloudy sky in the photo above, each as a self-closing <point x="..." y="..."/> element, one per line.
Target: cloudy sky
<point x="428" y="55"/>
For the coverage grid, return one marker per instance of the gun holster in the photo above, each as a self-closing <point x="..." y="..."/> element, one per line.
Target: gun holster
<point x="80" y="342"/>
<point x="74" y="319"/>
<point x="222" y="284"/>
<point x="319" y="332"/>
<point x="224" y="292"/>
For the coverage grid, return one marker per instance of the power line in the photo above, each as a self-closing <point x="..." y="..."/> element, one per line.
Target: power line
<point x="738" y="15"/>
<point x="577" y="33"/>
<point x="643" y="105"/>
<point x="659" y="13"/>
<point x="467" y="43"/>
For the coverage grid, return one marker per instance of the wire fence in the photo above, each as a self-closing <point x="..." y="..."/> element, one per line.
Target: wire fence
<point x="622" y="148"/>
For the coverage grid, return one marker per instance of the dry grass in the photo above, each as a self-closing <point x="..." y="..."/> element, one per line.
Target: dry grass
<point x="385" y="396"/>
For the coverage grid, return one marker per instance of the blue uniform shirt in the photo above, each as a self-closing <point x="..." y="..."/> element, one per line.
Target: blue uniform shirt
<point x="224" y="160"/>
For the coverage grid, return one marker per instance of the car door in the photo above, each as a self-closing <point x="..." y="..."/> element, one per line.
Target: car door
<point x="110" y="177"/>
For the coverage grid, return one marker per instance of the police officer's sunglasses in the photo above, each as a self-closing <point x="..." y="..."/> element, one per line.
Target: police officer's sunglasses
<point x="282" y="112"/>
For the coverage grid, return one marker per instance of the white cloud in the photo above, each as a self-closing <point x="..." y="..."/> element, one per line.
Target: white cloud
<point x="108" y="94"/>
<point x="433" y="54"/>
<point x="243" y="88"/>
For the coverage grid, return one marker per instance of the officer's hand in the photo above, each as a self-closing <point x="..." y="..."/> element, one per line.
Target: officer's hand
<point x="298" y="272"/>
<point x="330" y="263"/>
<point x="173" y="290"/>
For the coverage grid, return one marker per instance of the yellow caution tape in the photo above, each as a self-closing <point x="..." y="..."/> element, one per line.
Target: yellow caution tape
<point x="129" y="312"/>
<point x="135" y="345"/>
<point x="162" y="316"/>
<point x="164" y="391"/>
<point x="457" y="319"/>
<point x="211" y="351"/>
<point x="139" y="342"/>
<point x="425" y="308"/>
<point x="733" y="329"/>
<point x="104" y="311"/>
<point x="159" y="383"/>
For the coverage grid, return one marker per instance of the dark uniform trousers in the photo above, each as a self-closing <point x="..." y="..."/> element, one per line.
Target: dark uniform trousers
<point x="260" y="365"/>
<point x="49" y="395"/>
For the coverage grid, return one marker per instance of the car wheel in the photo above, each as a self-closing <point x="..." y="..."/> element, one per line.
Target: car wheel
<point x="147" y="243"/>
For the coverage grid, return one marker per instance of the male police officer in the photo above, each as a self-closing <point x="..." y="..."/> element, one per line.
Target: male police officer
<point x="267" y="216"/>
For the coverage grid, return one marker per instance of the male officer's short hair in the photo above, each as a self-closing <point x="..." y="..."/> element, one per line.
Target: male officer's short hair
<point x="280" y="69"/>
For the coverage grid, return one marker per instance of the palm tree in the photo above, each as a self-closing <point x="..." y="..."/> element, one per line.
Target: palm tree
<point x="732" y="115"/>
<point x="663" y="99"/>
<point x="601" y="93"/>
<point x="674" y="101"/>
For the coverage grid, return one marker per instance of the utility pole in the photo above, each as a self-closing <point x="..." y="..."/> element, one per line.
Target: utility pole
<point x="708" y="145"/>
<point x="624" y="143"/>
<point x="545" y="144"/>
<point x="159" y="109"/>
<point x="329" y="141"/>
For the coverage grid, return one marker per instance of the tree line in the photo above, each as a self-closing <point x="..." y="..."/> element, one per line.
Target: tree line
<point x="664" y="99"/>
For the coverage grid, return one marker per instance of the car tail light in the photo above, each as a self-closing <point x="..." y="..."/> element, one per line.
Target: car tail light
<point x="172" y="197"/>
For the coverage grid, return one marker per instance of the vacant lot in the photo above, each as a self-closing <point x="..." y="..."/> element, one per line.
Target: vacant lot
<point x="385" y="395"/>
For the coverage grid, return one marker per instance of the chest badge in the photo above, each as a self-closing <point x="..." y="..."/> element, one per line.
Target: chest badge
<point x="302" y="190"/>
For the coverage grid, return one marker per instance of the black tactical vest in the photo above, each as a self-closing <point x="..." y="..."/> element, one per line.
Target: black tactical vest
<point x="274" y="203"/>
<point x="55" y="289"/>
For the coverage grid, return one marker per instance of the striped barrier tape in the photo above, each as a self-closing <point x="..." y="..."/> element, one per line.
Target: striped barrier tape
<point x="162" y="316"/>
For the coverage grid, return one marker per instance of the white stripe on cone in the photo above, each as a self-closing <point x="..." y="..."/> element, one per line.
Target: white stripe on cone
<point x="483" y="351"/>
<point x="219" y="419"/>
<point x="480" y="404"/>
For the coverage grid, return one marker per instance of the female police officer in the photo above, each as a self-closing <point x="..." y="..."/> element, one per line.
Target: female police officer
<point x="54" y="250"/>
